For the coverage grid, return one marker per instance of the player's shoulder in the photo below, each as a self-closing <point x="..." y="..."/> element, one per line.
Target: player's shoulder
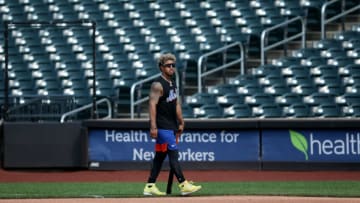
<point x="156" y="85"/>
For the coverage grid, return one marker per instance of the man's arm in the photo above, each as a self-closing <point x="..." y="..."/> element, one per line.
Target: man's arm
<point x="179" y="117"/>
<point x="155" y="94"/>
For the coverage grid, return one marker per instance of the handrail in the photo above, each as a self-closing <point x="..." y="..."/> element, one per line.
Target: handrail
<point x="34" y="99"/>
<point x="133" y="103"/>
<point x="201" y="59"/>
<point x="106" y="100"/>
<point x="325" y="21"/>
<point x="302" y="34"/>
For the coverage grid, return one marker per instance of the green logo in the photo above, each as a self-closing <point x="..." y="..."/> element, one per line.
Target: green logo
<point x="299" y="142"/>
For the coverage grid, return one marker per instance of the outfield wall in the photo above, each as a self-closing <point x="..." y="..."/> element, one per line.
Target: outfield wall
<point x="256" y="144"/>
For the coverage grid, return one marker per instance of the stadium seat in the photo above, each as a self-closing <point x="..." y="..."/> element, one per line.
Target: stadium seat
<point x="187" y="111"/>
<point x="347" y="35"/>
<point x="271" y="80"/>
<point x="313" y="61"/>
<point x="348" y="99"/>
<point x="222" y="89"/>
<point x="259" y="99"/>
<point x="304" y="89"/>
<point x="327" y="110"/>
<point x="327" y="44"/>
<point x="334" y="89"/>
<point x="229" y="99"/>
<point x="265" y="70"/>
<point x="315" y="99"/>
<point x="349" y="70"/>
<point x="242" y="80"/>
<point x="297" y="110"/>
<point x="351" y="111"/>
<point x="238" y="111"/>
<point x="355" y="88"/>
<point x="267" y="111"/>
<point x="250" y="89"/>
<point x="277" y="89"/>
<point x="200" y="99"/>
<point x="286" y="61"/>
<point x="208" y="111"/>
<point x="288" y="99"/>
<point x="295" y="71"/>
<point x="306" y="52"/>
<point x="324" y="70"/>
<point x="327" y="80"/>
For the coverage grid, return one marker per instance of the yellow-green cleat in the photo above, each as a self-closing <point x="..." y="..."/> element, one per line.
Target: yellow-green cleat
<point x="187" y="187"/>
<point x="151" y="189"/>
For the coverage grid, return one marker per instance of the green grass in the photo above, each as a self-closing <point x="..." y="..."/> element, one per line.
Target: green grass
<point x="91" y="189"/>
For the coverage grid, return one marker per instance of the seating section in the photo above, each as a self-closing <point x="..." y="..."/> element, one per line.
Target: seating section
<point x="319" y="81"/>
<point x="45" y="60"/>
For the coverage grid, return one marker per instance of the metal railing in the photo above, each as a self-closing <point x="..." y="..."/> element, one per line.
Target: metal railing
<point x="325" y="21"/>
<point x="88" y="106"/>
<point x="264" y="33"/>
<point x="38" y="108"/>
<point x="133" y="103"/>
<point x="226" y="65"/>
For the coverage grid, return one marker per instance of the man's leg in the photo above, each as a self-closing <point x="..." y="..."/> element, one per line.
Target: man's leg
<point x="150" y="187"/>
<point x="156" y="166"/>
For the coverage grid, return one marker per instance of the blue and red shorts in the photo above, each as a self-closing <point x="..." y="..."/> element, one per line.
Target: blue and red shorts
<point x="166" y="140"/>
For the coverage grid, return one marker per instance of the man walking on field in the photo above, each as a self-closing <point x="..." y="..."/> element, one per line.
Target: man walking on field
<point x="166" y="123"/>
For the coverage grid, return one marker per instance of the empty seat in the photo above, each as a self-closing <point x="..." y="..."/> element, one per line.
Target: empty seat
<point x="348" y="99"/>
<point x="351" y="111"/>
<point x="313" y="61"/>
<point x="340" y="61"/>
<point x="355" y="88"/>
<point x="250" y="89"/>
<point x="297" y="110"/>
<point x="242" y="80"/>
<point x="347" y="35"/>
<point x="288" y="99"/>
<point x="267" y="111"/>
<point x="304" y="89"/>
<point x="334" y="89"/>
<point x="306" y="52"/>
<point x="200" y="99"/>
<point x="222" y="89"/>
<point x="327" y="110"/>
<point x="327" y="44"/>
<point x="287" y="61"/>
<point x="272" y="80"/>
<point x="324" y="70"/>
<point x="187" y="111"/>
<point x="327" y="80"/>
<point x="319" y="98"/>
<point x="295" y="71"/>
<point x="230" y="99"/>
<point x="259" y="99"/>
<point x="277" y="89"/>
<point x="350" y="70"/>
<point x="208" y="111"/>
<point x="238" y="111"/>
<point x="264" y="70"/>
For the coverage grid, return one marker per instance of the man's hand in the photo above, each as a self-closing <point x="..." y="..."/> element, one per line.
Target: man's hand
<point x="179" y="131"/>
<point x="153" y="133"/>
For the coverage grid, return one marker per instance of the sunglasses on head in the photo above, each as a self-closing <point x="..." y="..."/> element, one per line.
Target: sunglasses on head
<point x="169" y="65"/>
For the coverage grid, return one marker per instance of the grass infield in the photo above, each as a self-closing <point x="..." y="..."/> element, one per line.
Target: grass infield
<point x="126" y="189"/>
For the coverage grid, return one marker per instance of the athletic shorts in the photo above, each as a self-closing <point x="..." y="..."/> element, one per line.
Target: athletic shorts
<point x="166" y="140"/>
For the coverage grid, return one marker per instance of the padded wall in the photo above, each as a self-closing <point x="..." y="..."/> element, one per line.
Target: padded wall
<point x="44" y="145"/>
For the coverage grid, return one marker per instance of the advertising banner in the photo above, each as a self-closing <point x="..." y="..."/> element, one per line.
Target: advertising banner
<point x="311" y="145"/>
<point x="200" y="146"/>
